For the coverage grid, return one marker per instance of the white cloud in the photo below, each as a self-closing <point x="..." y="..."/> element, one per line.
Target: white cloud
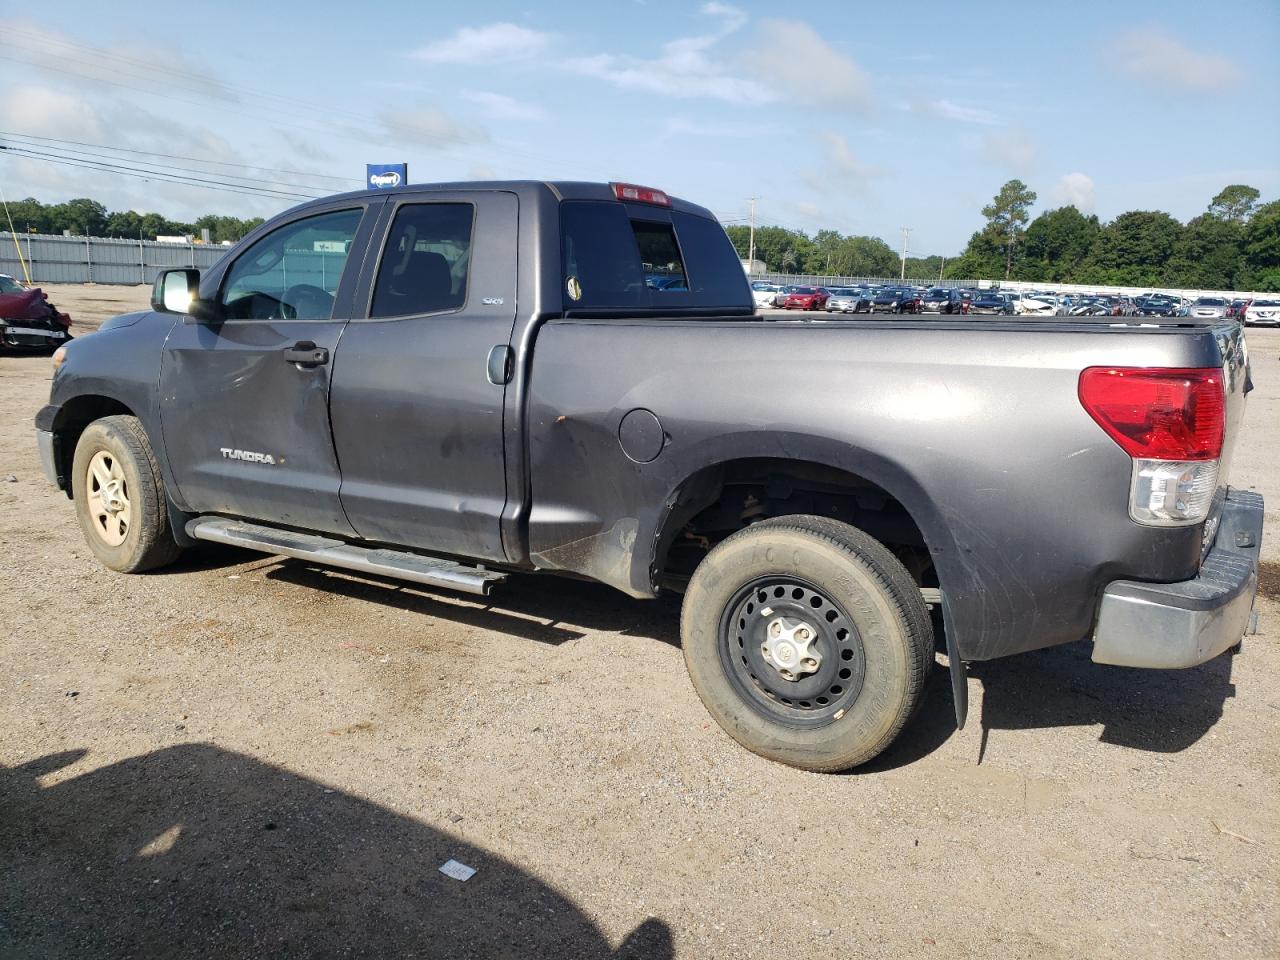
<point x="1075" y="189"/>
<point x="499" y="106"/>
<point x="950" y="110"/>
<point x="734" y="18"/>
<point x="685" y="68"/>
<point x="795" y="59"/>
<point x="684" y="127"/>
<point x="76" y="61"/>
<point x="430" y="127"/>
<point x="843" y="171"/>
<point x="495" y="43"/>
<point x="1163" y="64"/>
<point x="1012" y="149"/>
<point x="41" y="112"/>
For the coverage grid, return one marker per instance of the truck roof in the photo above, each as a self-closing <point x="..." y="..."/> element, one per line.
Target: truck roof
<point x="558" y="189"/>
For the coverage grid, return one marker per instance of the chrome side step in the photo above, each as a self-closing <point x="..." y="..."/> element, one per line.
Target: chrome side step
<point x="330" y="552"/>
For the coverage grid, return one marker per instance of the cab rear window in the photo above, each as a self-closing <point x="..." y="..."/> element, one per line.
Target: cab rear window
<point x="616" y="258"/>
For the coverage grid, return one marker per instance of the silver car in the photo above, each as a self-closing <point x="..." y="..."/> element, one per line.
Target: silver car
<point x="846" y="300"/>
<point x="1208" y="308"/>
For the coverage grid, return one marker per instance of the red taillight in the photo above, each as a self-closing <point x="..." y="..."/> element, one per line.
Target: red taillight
<point x="1158" y="414"/>
<point x="634" y="194"/>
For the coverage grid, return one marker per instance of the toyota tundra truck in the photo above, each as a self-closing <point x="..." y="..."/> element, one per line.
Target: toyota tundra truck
<point x="454" y="384"/>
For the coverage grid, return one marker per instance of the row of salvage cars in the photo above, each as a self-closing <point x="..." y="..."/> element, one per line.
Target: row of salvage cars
<point x="28" y="321"/>
<point x="904" y="298"/>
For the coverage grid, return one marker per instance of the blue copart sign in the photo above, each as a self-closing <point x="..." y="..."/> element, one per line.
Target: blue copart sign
<point x="383" y="176"/>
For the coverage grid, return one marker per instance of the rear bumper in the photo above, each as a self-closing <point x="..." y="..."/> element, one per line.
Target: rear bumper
<point x="1174" y="625"/>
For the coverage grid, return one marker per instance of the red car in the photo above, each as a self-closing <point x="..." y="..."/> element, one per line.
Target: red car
<point x="28" y="320"/>
<point x="806" y="298"/>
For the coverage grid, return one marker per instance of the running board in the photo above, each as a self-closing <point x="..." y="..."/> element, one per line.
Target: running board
<point x="330" y="552"/>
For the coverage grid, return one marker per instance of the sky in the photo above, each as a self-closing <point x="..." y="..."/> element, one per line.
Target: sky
<point x="863" y="118"/>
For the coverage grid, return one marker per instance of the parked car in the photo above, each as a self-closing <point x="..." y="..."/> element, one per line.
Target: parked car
<point x="1035" y="305"/>
<point x="1208" y="308"/>
<point x="893" y="300"/>
<point x="942" y="300"/>
<point x="806" y="298"/>
<point x="482" y="386"/>
<point x="784" y="291"/>
<point x="1262" y="313"/>
<point x="28" y="321"/>
<point x="847" y="300"/>
<point x="990" y="303"/>
<point x="763" y="292"/>
<point x="1235" y="310"/>
<point x="1156" y="305"/>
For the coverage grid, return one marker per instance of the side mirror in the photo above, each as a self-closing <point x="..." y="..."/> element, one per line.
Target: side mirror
<point x="175" y="291"/>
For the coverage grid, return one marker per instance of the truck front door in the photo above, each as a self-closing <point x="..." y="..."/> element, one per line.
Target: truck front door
<point x="416" y="405"/>
<point x="244" y="398"/>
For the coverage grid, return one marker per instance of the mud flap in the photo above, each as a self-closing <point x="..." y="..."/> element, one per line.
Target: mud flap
<point x="959" y="675"/>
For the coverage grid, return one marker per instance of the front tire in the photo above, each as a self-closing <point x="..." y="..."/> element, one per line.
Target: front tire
<point x="120" y="498"/>
<point x="807" y="641"/>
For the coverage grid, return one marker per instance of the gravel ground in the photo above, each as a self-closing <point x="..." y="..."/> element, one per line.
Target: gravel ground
<point x="246" y="756"/>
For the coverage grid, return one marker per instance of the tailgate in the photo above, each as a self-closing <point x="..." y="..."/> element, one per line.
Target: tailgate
<point x="1237" y="384"/>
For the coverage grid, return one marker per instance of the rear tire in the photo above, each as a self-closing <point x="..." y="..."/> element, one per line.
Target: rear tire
<point x="861" y="668"/>
<point x="120" y="498"/>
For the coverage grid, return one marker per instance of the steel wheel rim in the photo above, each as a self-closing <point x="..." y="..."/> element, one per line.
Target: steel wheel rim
<point x="811" y="700"/>
<point x="110" y="512"/>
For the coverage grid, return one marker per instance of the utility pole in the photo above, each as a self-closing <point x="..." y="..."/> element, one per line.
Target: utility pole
<point x="906" y="233"/>
<point x="751" y="250"/>
<point x="942" y="266"/>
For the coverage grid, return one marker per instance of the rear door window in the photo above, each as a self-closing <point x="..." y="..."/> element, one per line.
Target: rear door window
<point x="426" y="260"/>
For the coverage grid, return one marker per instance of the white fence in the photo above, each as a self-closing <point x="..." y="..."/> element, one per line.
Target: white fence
<point x="54" y="259"/>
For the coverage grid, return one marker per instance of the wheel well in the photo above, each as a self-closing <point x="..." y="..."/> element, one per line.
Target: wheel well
<point x="718" y="501"/>
<point x="76" y="414"/>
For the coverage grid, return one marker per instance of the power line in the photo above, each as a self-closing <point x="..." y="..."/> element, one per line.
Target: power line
<point x="143" y="174"/>
<point x="71" y="153"/>
<point x="174" y="156"/>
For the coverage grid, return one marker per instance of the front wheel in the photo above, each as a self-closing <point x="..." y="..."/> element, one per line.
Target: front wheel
<point x="807" y="641"/>
<point x="120" y="498"/>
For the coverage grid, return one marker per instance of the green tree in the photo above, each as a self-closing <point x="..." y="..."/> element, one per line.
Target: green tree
<point x="982" y="259"/>
<point x="864" y="257"/>
<point x="1134" y="249"/>
<point x="1006" y="216"/>
<point x="1055" y="243"/>
<point x="81" y="216"/>
<point x="124" y="223"/>
<point x="29" y="216"/>
<point x="1234" y="203"/>
<point x="1261" y="248"/>
<point x="1207" y="254"/>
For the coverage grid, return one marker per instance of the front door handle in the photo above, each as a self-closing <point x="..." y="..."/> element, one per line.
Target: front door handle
<point x="306" y="354"/>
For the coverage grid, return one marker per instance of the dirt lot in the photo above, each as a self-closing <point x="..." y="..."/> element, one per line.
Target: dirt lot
<point x="246" y="756"/>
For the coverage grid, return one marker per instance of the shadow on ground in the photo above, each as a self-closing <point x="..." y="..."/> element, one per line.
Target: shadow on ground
<point x="1162" y="711"/>
<point x="194" y="851"/>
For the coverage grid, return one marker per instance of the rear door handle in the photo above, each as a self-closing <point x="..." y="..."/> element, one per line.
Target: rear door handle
<point x="306" y="354"/>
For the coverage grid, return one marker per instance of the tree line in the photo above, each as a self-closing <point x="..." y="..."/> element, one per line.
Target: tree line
<point x="85" y="217"/>
<point x="1233" y="245"/>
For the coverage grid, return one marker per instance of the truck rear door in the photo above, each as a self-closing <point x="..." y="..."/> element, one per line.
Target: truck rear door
<point x="417" y="416"/>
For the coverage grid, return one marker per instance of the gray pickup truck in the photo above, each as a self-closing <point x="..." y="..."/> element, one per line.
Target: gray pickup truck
<point x="453" y="383"/>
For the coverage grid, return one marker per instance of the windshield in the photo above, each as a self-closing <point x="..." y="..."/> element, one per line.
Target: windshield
<point x="10" y="285"/>
<point x="1211" y="302"/>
